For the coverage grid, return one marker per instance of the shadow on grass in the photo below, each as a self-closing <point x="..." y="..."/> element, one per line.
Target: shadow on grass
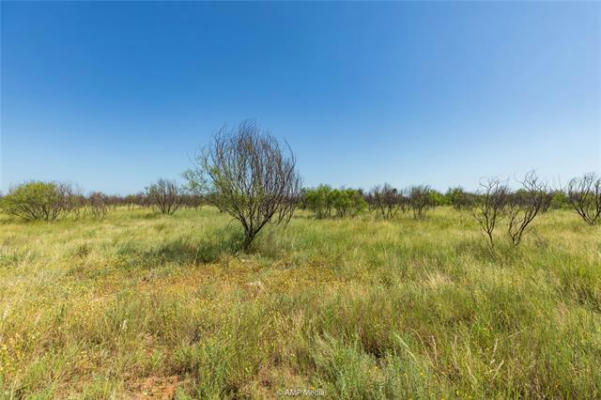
<point x="183" y="251"/>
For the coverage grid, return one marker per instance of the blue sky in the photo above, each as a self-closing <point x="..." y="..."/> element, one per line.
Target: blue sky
<point x="113" y="95"/>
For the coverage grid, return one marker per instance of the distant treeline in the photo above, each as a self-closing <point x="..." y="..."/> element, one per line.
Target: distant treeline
<point x="48" y="200"/>
<point x="38" y="200"/>
<point x="387" y="201"/>
<point x="251" y="176"/>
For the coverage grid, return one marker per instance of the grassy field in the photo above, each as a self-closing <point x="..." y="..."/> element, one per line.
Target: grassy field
<point x="147" y="306"/>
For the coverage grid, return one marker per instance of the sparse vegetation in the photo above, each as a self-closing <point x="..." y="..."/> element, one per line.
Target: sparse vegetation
<point x="335" y="256"/>
<point x="355" y="294"/>
<point x="165" y="196"/>
<point x="139" y="302"/>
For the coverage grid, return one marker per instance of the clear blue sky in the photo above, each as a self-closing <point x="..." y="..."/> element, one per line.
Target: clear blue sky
<point x="112" y="95"/>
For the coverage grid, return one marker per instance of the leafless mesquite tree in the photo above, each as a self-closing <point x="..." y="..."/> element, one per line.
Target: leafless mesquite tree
<point x="386" y="200"/>
<point x="489" y="206"/>
<point x="165" y="195"/>
<point x="585" y="196"/>
<point x="524" y="205"/>
<point x="249" y="175"/>
<point x="98" y="204"/>
<point x="404" y="201"/>
<point x="70" y="199"/>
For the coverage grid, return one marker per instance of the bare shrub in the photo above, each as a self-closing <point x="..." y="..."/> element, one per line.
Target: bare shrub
<point x="489" y="206"/>
<point x="71" y="198"/>
<point x="190" y="200"/>
<point x="132" y="200"/>
<point x="246" y="173"/>
<point x="420" y="200"/>
<point x="584" y="195"/>
<point x="524" y="205"/>
<point x="404" y="201"/>
<point x="385" y="200"/>
<point x="165" y="196"/>
<point x="98" y="204"/>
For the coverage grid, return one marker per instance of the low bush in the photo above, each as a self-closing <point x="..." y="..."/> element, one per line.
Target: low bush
<point x="327" y="202"/>
<point x="37" y="200"/>
<point x="165" y="196"/>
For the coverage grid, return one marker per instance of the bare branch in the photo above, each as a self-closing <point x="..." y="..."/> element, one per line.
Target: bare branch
<point x="246" y="174"/>
<point x="585" y="196"/>
<point x="489" y="206"/>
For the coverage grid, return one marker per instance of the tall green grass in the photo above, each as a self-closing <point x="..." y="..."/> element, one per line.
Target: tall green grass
<point x="360" y="308"/>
